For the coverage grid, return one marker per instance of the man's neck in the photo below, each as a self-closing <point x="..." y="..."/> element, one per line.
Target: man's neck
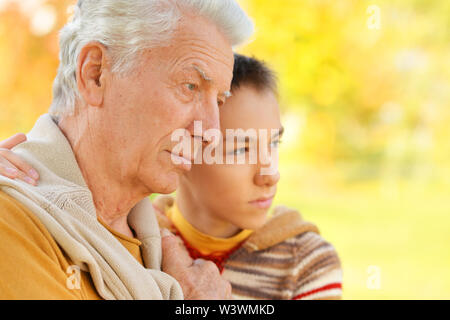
<point x="113" y="191"/>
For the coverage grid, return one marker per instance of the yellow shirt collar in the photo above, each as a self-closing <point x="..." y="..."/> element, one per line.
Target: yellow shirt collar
<point x="204" y="243"/>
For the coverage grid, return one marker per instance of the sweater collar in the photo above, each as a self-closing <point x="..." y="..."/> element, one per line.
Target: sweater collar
<point x="53" y="150"/>
<point x="283" y="223"/>
<point x="202" y="242"/>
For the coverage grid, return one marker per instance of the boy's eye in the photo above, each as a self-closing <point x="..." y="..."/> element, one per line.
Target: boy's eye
<point x="239" y="151"/>
<point x="275" y="144"/>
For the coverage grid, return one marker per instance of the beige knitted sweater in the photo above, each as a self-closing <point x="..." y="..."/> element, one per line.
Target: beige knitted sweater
<point x="64" y="204"/>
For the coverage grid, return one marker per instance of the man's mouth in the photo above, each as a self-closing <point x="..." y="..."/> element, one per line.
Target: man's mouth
<point x="181" y="161"/>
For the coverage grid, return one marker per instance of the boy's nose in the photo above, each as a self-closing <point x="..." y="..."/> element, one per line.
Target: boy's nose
<point x="266" y="180"/>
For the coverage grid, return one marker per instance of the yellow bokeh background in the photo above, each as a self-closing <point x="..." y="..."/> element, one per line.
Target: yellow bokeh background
<point x="365" y="96"/>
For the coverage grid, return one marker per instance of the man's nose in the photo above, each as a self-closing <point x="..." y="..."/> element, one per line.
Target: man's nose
<point x="208" y="114"/>
<point x="206" y="117"/>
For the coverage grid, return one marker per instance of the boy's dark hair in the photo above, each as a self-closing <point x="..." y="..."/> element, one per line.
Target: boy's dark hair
<point x="253" y="72"/>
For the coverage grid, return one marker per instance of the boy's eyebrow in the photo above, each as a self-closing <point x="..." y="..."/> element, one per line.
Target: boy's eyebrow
<point x="279" y="133"/>
<point x="248" y="139"/>
<point x="225" y="94"/>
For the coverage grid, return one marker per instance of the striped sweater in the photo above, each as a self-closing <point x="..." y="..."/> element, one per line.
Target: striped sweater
<point x="285" y="259"/>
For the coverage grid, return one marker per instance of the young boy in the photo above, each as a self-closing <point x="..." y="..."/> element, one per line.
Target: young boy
<point x="221" y="211"/>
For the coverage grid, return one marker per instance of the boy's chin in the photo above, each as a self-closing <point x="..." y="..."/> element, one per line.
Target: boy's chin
<point x="254" y="224"/>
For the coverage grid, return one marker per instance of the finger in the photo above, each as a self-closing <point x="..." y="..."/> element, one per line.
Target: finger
<point x="165" y="233"/>
<point x="174" y="250"/>
<point x="19" y="163"/>
<point x="26" y="179"/>
<point x="13" y="141"/>
<point x="7" y="169"/>
<point x="228" y="291"/>
<point x="198" y="262"/>
<point x="163" y="220"/>
<point x="174" y="255"/>
<point x="207" y="266"/>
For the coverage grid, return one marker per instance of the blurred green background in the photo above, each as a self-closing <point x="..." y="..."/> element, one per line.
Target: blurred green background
<point x="365" y="96"/>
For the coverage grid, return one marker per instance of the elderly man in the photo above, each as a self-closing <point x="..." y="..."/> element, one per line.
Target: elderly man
<point x="131" y="73"/>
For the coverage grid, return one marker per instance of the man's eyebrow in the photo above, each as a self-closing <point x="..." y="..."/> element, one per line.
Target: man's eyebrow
<point x="202" y="73"/>
<point x="226" y="94"/>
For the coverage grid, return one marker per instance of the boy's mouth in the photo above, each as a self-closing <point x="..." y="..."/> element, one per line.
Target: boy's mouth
<point x="263" y="202"/>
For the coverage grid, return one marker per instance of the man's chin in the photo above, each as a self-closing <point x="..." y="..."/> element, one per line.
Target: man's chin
<point x="166" y="183"/>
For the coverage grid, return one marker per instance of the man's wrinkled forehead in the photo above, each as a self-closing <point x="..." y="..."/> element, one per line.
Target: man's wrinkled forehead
<point x="199" y="35"/>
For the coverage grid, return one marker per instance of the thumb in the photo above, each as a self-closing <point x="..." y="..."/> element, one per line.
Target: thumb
<point x="174" y="254"/>
<point x="13" y="141"/>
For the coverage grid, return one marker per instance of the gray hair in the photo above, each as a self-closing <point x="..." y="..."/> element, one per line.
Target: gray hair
<point x="126" y="28"/>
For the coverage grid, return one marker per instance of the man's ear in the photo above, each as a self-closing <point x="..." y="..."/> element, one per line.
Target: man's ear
<point x="91" y="73"/>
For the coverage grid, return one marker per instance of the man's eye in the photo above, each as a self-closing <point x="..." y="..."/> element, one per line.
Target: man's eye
<point x="191" y="86"/>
